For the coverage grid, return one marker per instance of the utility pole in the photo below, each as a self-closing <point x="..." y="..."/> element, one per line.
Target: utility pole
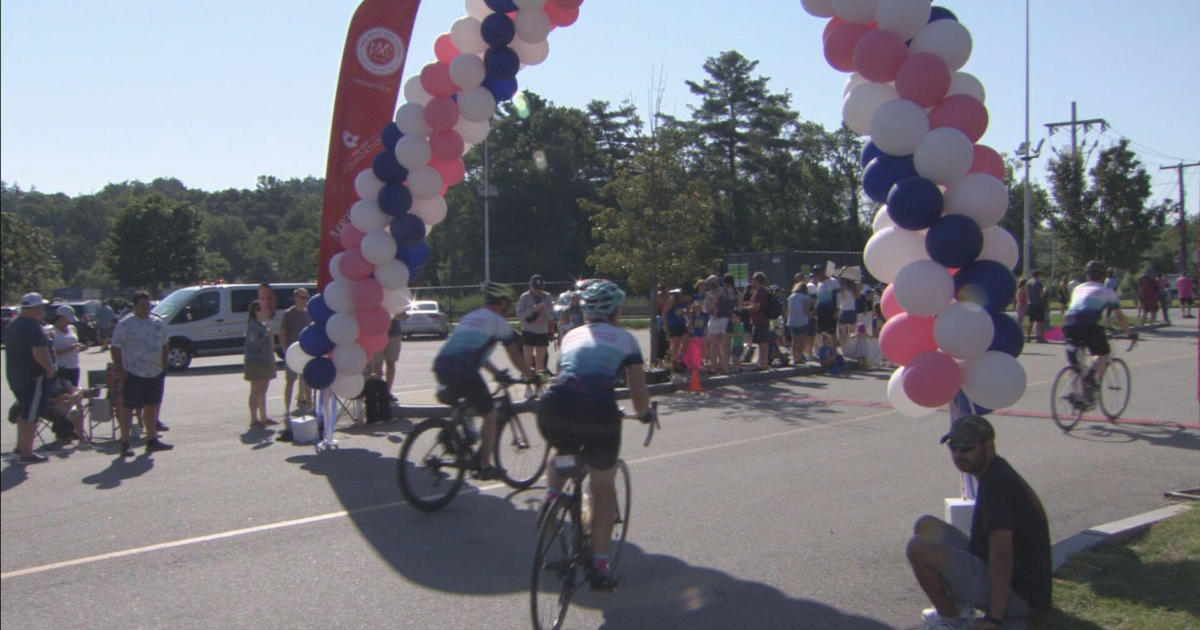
<point x="1183" y="257"/>
<point x="1073" y="123"/>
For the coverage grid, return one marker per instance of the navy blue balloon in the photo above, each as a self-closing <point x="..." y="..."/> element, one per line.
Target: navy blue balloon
<point x="870" y="152"/>
<point x="914" y="203"/>
<point x="501" y="89"/>
<point x="941" y="13"/>
<point x="1008" y="338"/>
<point x="414" y="255"/>
<point x="319" y="373"/>
<point x="954" y="241"/>
<point x="390" y="135"/>
<point x="395" y="199"/>
<point x="501" y="6"/>
<point x="407" y="230"/>
<point x="883" y="172"/>
<point x="387" y="169"/>
<point x="498" y="30"/>
<point x="318" y="311"/>
<point x="987" y="283"/>
<point x="314" y="341"/>
<point x="501" y="62"/>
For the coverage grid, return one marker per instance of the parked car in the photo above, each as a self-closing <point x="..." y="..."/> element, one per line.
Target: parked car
<point x="425" y="317"/>
<point x="85" y="312"/>
<point x="7" y="315"/>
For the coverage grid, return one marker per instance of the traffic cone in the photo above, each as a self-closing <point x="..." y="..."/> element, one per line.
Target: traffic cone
<point x="695" y="385"/>
<point x="694" y="360"/>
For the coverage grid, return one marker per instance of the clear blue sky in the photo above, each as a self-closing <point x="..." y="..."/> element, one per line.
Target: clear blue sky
<point x="216" y="93"/>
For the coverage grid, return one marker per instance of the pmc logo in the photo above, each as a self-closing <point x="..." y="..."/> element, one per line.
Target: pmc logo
<point x="380" y="51"/>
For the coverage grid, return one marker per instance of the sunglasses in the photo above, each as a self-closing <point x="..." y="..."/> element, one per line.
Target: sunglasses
<point x="962" y="448"/>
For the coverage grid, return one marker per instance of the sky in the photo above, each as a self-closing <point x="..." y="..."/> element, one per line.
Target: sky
<point x="218" y="93"/>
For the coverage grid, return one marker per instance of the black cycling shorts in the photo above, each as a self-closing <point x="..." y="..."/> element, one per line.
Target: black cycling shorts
<point x="575" y="424"/>
<point x="469" y="387"/>
<point x="1090" y="336"/>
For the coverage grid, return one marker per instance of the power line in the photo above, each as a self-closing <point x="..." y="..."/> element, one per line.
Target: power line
<point x="1144" y="148"/>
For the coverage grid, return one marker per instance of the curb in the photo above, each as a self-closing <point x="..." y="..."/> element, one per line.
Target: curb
<point x="1113" y="533"/>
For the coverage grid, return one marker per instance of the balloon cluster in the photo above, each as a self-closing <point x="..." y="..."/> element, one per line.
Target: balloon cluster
<point x="402" y="196"/>
<point x="936" y="241"/>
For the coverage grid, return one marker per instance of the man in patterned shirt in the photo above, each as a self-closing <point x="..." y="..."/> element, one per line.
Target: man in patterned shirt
<point x="139" y="356"/>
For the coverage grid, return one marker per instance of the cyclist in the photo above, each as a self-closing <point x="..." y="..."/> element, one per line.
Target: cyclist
<point x="579" y="413"/>
<point x="457" y="365"/>
<point x="1082" y="326"/>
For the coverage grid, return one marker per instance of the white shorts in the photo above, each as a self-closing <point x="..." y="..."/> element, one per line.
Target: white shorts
<point x="717" y="325"/>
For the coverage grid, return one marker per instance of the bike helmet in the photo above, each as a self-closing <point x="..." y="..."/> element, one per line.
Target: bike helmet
<point x="600" y="299"/>
<point x="1095" y="270"/>
<point x="494" y="292"/>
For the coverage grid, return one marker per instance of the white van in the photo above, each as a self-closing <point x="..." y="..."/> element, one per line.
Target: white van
<point x="211" y="320"/>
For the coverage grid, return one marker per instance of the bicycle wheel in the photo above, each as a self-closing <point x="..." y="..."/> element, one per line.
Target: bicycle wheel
<point x="557" y="567"/>
<point x="621" y="526"/>
<point x="1065" y="406"/>
<point x="431" y="469"/>
<point x="520" y="450"/>
<point x="1115" y="386"/>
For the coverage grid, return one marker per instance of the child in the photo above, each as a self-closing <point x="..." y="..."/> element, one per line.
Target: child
<point x="739" y="336"/>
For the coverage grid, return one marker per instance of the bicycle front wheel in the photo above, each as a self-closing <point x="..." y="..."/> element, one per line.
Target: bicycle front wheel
<point x="621" y="526"/>
<point x="1115" y="386"/>
<point x="520" y="450"/>
<point x="1065" y="404"/>
<point x="558" y="569"/>
<point x="430" y="470"/>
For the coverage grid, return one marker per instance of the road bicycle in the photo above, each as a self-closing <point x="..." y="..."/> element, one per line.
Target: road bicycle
<point x="438" y="452"/>
<point x="1078" y="388"/>
<point x="562" y="562"/>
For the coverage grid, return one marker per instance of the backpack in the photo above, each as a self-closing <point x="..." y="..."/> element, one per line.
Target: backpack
<point x="774" y="306"/>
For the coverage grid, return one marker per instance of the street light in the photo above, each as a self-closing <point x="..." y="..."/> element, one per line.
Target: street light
<point x="1025" y="154"/>
<point x="487" y="191"/>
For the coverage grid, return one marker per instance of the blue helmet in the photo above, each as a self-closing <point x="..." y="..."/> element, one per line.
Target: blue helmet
<point x="600" y="298"/>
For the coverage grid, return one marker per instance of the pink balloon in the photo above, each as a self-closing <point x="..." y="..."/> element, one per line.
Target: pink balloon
<point x="560" y="15"/>
<point x="452" y="172"/>
<point x="351" y="237"/>
<point x="441" y="113"/>
<point x="923" y="78"/>
<point x="567" y="4"/>
<point x="366" y="294"/>
<point x="372" y="343"/>
<point x="932" y="379"/>
<point x="962" y="112"/>
<point x="906" y="336"/>
<point x="373" y="321"/>
<point x="435" y="78"/>
<point x="834" y="22"/>
<point x="839" y="46"/>
<point x="878" y="54"/>
<point x="987" y="161"/>
<point x="354" y="266"/>
<point x="888" y="303"/>
<point x="444" y="48"/>
<point x="446" y="144"/>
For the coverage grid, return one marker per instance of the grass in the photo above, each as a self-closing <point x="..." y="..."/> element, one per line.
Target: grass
<point x="1151" y="582"/>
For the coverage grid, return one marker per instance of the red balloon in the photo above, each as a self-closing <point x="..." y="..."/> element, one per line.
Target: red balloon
<point x="931" y="379"/>
<point x="987" y="161"/>
<point x="567" y="4"/>
<point x="834" y="22"/>
<point x="962" y="112"/>
<point x="446" y="145"/>
<point x="444" y="48"/>
<point x="435" y="78"/>
<point x="923" y="78"/>
<point x="373" y="321"/>
<point x="839" y="46"/>
<point x="878" y="54"/>
<point x="351" y="237"/>
<point x="372" y="343"/>
<point x="366" y="293"/>
<point x="452" y="171"/>
<point x="441" y="113"/>
<point x="888" y="303"/>
<point x="905" y="336"/>
<point x="560" y="16"/>
<point x="354" y="266"/>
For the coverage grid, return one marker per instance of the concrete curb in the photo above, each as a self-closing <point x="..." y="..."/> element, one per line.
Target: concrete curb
<point x="1113" y="533"/>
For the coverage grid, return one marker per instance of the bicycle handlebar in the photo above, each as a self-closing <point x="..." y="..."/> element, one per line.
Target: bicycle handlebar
<point x="652" y="423"/>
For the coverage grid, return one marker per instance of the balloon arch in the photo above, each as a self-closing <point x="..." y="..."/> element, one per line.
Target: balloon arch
<point x="936" y="241"/>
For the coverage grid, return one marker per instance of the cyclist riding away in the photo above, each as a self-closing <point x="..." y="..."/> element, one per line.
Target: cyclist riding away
<point x="579" y="413"/>
<point x="1082" y="327"/>
<point x="457" y="365"/>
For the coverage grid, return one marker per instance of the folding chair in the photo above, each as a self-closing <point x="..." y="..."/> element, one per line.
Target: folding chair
<point x="99" y="406"/>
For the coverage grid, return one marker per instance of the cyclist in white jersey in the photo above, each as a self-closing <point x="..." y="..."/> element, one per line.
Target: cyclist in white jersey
<point x="1082" y="327"/>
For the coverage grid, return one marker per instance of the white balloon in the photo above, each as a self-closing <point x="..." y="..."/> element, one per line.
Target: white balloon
<point x="994" y="380"/>
<point x="335" y="266"/>
<point x="900" y="401"/>
<point x="349" y="358"/>
<point x="410" y="118"/>
<point x="431" y="211"/>
<point x="861" y="103"/>
<point x="342" y="328"/>
<point x="338" y="297"/>
<point x="979" y="196"/>
<point x="478" y="9"/>
<point x="296" y="358"/>
<point x="882" y="220"/>
<point x="855" y="11"/>
<point x="425" y="183"/>
<point x="855" y="79"/>
<point x="898" y="126"/>
<point x="999" y="245"/>
<point x="367" y="185"/>
<point x="944" y="155"/>
<point x="964" y="83"/>
<point x="890" y="249"/>
<point x="818" y="8"/>
<point x="467" y="70"/>
<point x="413" y="152"/>
<point x="414" y="92"/>
<point x="348" y="385"/>
<point x="476" y="104"/>
<point x="533" y="25"/>
<point x="396" y="300"/>
<point x="905" y="18"/>
<point x="467" y="35"/>
<point x="530" y="4"/>
<point x="530" y="54"/>
<point x="367" y="217"/>
<point x="472" y="132"/>
<point x="392" y="274"/>
<point x="378" y="247"/>
<point x="945" y="38"/>
<point x="923" y="288"/>
<point x="964" y="330"/>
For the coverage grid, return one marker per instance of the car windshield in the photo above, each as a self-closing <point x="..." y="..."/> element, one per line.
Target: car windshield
<point x="424" y="307"/>
<point x="167" y="308"/>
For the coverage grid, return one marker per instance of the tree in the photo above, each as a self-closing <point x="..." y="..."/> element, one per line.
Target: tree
<point x="1014" y="218"/>
<point x="27" y="261"/>
<point x="154" y="242"/>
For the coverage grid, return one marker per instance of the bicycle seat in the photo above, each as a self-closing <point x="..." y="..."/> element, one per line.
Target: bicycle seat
<point x="569" y="465"/>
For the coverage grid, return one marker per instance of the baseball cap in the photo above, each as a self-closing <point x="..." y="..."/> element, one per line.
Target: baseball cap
<point x="537" y="281"/>
<point x="66" y="311"/>
<point x="32" y="300"/>
<point x="969" y="430"/>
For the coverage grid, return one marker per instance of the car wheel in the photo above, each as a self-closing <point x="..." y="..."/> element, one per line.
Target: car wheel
<point x="178" y="357"/>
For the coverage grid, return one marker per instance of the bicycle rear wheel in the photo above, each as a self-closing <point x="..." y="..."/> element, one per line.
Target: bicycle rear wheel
<point x="520" y="450"/>
<point x="558" y="569"/>
<point x="1065" y="405"/>
<point x="431" y="471"/>
<point x="1115" y="387"/>
<point x="621" y="526"/>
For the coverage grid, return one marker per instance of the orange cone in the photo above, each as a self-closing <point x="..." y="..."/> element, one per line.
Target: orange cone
<point x="695" y="385"/>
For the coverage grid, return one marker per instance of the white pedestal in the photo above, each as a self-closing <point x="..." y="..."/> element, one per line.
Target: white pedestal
<point x="959" y="513"/>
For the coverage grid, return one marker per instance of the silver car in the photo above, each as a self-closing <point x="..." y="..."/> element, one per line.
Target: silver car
<point x="425" y="317"/>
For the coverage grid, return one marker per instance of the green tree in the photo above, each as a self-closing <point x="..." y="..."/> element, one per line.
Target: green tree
<point x="155" y="241"/>
<point x="1014" y="217"/>
<point x="27" y="261"/>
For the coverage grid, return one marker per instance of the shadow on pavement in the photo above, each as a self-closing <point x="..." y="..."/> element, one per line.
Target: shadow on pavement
<point x="120" y="469"/>
<point x="1173" y="436"/>
<point x="12" y="476"/>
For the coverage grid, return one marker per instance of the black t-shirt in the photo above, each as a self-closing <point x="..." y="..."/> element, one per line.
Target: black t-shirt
<point x="22" y="335"/>
<point x="1005" y="501"/>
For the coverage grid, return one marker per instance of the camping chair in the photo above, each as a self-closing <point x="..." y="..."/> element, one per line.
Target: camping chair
<point x="99" y="405"/>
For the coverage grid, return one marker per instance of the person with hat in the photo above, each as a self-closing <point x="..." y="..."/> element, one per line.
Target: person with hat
<point x="66" y="345"/>
<point x="28" y="368"/>
<point x="1004" y="568"/>
<point x="535" y="310"/>
<point x="1082" y="327"/>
